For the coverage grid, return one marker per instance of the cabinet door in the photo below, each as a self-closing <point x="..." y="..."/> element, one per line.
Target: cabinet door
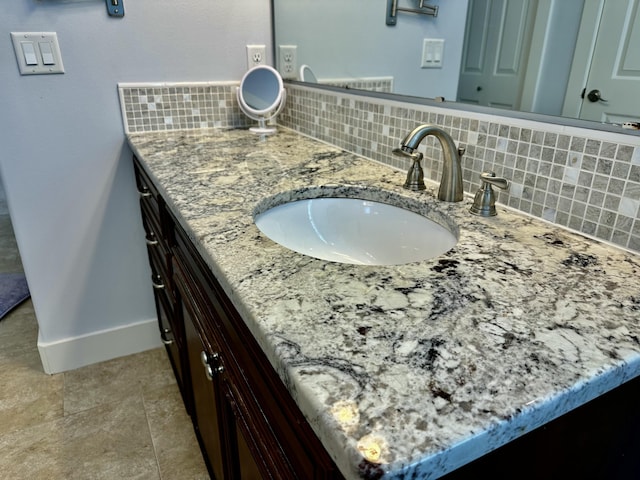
<point x="204" y="384"/>
<point x="242" y="464"/>
<point x="214" y="406"/>
<point x="248" y="469"/>
<point x="256" y="430"/>
<point x="243" y="449"/>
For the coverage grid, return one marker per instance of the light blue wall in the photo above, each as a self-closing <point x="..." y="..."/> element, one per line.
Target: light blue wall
<point x="389" y="50"/>
<point x="64" y="162"/>
<point x="3" y="200"/>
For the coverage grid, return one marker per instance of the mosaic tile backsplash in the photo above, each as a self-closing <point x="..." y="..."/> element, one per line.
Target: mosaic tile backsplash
<point x="177" y="106"/>
<point x="572" y="179"/>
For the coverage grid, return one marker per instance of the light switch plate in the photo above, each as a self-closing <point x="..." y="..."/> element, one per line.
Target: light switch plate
<point x="37" y="43"/>
<point x="432" y="52"/>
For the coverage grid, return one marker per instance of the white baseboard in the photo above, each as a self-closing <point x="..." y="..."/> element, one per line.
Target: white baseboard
<point x="76" y="352"/>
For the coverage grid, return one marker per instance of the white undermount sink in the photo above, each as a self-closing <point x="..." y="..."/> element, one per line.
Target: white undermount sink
<point x="350" y="230"/>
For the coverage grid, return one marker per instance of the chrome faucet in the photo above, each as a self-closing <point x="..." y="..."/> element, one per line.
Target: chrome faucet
<point x="451" y="182"/>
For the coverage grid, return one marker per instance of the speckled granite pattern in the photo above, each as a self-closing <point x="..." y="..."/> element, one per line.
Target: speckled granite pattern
<point x="404" y="371"/>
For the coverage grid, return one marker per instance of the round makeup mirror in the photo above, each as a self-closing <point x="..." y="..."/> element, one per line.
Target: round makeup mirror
<point x="261" y="96"/>
<point x="306" y="74"/>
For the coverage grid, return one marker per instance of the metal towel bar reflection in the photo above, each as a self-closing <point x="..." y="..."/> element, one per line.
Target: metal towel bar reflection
<point x="393" y="9"/>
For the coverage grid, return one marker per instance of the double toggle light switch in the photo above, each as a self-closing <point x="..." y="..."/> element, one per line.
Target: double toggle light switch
<point x="37" y="53"/>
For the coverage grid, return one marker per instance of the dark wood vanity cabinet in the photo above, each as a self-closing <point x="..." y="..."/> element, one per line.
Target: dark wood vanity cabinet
<point x="205" y="384"/>
<point x="247" y="424"/>
<point x="213" y="414"/>
<point x="158" y="236"/>
<point x="258" y="431"/>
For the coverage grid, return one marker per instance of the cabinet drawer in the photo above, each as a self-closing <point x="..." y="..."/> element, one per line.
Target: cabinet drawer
<point x="159" y="252"/>
<point x="168" y="319"/>
<point x="151" y="221"/>
<point x="147" y="191"/>
<point x="161" y="271"/>
<point x="158" y="234"/>
<point x="153" y="205"/>
<point x="169" y="334"/>
<point x="144" y="184"/>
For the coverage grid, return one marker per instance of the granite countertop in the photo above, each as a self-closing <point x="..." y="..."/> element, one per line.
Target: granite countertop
<point x="413" y="369"/>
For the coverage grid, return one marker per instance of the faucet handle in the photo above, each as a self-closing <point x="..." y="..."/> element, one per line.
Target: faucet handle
<point x="415" y="175"/>
<point x="484" y="201"/>
<point x="490" y="177"/>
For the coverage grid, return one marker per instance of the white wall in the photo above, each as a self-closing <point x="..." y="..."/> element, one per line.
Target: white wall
<point x="67" y="170"/>
<point x="389" y="50"/>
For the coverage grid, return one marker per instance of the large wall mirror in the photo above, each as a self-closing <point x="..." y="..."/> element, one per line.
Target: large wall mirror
<point x="563" y="59"/>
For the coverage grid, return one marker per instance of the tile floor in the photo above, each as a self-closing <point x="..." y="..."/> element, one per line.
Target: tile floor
<point x="121" y="419"/>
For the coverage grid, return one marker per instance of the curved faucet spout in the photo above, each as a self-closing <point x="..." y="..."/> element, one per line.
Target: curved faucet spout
<point x="451" y="183"/>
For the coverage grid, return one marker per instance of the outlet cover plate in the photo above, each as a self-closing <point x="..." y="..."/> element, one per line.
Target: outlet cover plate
<point x="288" y="61"/>
<point x="256" y="55"/>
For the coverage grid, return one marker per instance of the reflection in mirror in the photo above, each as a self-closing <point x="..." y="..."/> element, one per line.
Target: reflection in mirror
<point x="518" y="55"/>
<point x="306" y="74"/>
<point x="261" y="96"/>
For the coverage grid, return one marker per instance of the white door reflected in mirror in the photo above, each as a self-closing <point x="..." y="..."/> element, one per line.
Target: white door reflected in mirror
<point x="261" y="96"/>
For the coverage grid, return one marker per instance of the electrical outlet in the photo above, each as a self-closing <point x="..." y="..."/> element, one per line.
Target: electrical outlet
<point x="288" y="61"/>
<point x="256" y="55"/>
<point x="432" y="51"/>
